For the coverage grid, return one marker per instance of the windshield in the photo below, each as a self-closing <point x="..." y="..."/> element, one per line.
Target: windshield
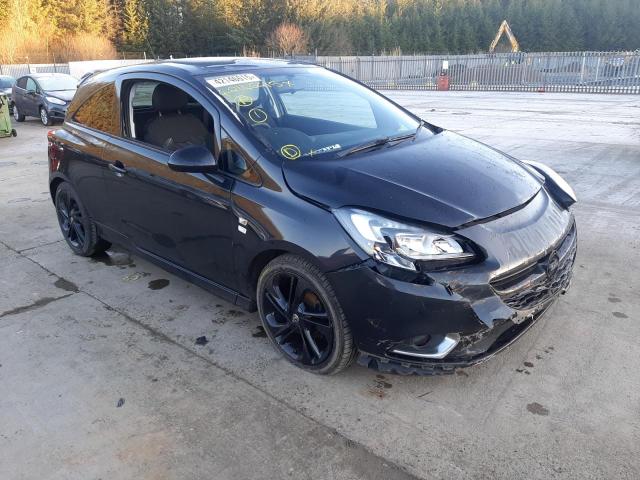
<point x="7" y="82"/>
<point x="309" y="112"/>
<point x="58" y="82"/>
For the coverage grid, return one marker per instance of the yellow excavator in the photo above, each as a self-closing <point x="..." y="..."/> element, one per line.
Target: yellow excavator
<point x="505" y="28"/>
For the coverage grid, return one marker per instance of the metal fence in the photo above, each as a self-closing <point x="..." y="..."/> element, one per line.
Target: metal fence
<point x="588" y="72"/>
<point x="18" y="70"/>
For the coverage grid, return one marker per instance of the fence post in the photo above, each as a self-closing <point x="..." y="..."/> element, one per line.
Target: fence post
<point x="372" y="68"/>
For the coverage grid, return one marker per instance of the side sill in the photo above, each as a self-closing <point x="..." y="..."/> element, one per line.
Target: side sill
<point x="209" y="285"/>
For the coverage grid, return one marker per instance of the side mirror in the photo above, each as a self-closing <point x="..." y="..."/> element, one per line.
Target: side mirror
<point x="194" y="158"/>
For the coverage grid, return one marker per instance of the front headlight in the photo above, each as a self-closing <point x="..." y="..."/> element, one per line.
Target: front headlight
<point x="55" y="100"/>
<point x="399" y="244"/>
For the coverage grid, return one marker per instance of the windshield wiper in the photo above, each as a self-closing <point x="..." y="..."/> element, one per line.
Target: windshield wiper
<point x="415" y="135"/>
<point x="378" y="142"/>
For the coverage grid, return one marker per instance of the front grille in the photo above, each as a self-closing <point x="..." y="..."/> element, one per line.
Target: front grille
<point x="537" y="283"/>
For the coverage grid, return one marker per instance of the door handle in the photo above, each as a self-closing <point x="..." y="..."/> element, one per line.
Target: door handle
<point x="117" y="168"/>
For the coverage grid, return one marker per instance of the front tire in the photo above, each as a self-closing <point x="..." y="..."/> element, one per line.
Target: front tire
<point x="17" y="115"/>
<point x="44" y="117"/>
<point x="78" y="229"/>
<point x="302" y="316"/>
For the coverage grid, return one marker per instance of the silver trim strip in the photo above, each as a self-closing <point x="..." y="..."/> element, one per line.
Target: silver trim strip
<point x="438" y="351"/>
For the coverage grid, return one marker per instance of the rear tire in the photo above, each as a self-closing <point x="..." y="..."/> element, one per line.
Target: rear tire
<point x="302" y="316"/>
<point x="78" y="229"/>
<point x="44" y="117"/>
<point x="17" y="115"/>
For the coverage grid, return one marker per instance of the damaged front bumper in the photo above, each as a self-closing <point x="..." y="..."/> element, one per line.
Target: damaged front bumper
<point x="461" y="317"/>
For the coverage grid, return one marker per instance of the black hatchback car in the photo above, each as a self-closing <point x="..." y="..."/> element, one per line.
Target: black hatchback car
<point x="355" y="228"/>
<point x="43" y="95"/>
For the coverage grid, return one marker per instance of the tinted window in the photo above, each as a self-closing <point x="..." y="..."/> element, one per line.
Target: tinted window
<point x="22" y="82"/>
<point x="170" y="121"/>
<point x="100" y="111"/>
<point x="31" y="85"/>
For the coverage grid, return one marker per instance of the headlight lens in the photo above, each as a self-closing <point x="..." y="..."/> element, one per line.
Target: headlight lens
<point x="55" y="100"/>
<point x="399" y="244"/>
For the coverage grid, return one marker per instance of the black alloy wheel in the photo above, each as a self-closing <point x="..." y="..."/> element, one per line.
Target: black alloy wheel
<point x="77" y="228"/>
<point x="302" y="317"/>
<point x="71" y="221"/>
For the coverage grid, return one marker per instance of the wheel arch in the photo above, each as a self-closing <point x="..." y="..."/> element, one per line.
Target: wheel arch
<point x="54" y="184"/>
<point x="262" y="259"/>
<point x="258" y="263"/>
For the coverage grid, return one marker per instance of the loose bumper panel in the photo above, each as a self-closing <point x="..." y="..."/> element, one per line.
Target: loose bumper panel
<point x="407" y="325"/>
<point x="528" y="287"/>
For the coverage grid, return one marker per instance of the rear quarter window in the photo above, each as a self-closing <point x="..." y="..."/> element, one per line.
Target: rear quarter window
<point x="100" y="111"/>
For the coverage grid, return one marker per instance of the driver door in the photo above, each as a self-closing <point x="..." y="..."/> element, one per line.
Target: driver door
<point x="31" y="98"/>
<point x="182" y="219"/>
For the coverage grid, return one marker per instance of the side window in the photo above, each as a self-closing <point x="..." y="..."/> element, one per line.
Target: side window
<point x="142" y="94"/>
<point x="22" y="82"/>
<point x="100" y="111"/>
<point x="354" y="110"/>
<point x="31" y="85"/>
<point x="234" y="161"/>
<point x="166" y="116"/>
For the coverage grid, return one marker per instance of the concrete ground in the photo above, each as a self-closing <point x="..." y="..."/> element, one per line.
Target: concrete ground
<point x="100" y="376"/>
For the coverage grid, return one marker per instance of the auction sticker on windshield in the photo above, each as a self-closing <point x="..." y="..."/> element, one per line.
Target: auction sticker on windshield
<point x="226" y="80"/>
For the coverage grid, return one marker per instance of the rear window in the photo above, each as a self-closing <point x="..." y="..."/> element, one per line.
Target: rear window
<point x="100" y="111"/>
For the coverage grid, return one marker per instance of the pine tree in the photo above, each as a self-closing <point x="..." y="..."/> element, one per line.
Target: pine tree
<point x="135" y="24"/>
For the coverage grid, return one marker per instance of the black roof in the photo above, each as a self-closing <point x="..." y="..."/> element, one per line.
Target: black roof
<point x="206" y="65"/>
